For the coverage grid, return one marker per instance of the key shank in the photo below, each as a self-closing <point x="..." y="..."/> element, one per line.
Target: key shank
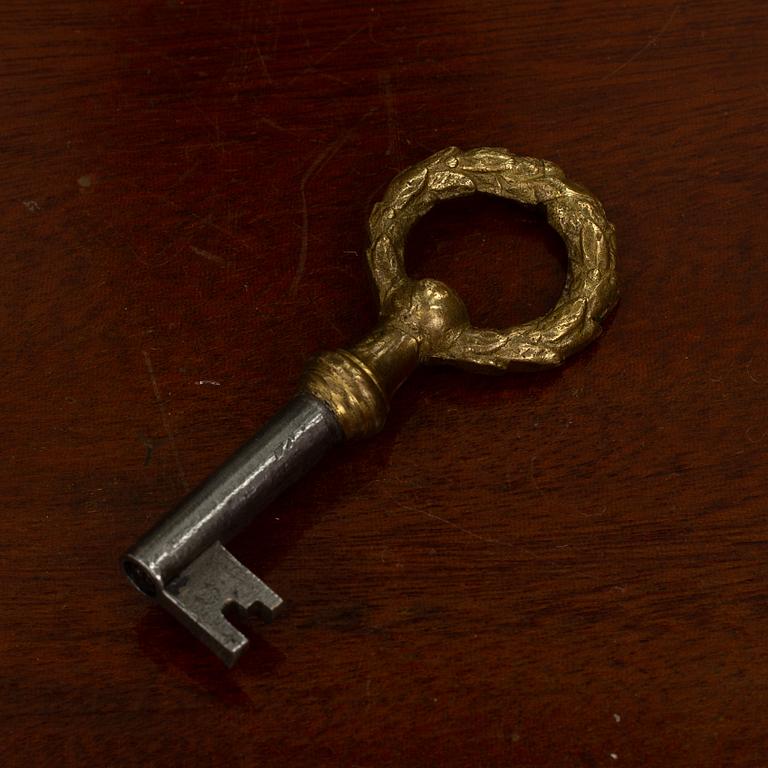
<point x="182" y="563"/>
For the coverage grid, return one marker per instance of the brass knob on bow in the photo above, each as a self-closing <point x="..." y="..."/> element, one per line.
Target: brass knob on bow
<point x="426" y="321"/>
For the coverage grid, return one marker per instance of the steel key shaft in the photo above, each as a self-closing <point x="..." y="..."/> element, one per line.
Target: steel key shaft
<point x="167" y="564"/>
<point x="182" y="562"/>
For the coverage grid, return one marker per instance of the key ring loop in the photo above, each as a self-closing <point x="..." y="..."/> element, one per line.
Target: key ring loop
<point x="590" y="290"/>
<point x="425" y="321"/>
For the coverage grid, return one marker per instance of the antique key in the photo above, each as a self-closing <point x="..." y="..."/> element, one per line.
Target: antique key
<point x="182" y="562"/>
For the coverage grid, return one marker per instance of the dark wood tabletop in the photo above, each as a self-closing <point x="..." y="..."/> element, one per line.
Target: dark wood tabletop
<point x="565" y="568"/>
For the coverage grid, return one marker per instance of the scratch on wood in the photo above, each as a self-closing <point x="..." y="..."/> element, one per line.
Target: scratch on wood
<point x="652" y="41"/>
<point x="274" y="124"/>
<point x="206" y="221"/>
<point x="166" y="421"/>
<point x="316" y="164"/>
<point x="371" y="22"/>
<point x="149" y="444"/>
<point x="532" y="475"/>
<point x="263" y="63"/>
<point x="324" y="157"/>
<point x="213" y="122"/>
<point x="393" y="134"/>
<point x="348" y="39"/>
<point x="755" y="379"/>
<point x="484" y="539"/>
<point x="472" y="534"/>
<point x="216" y="259"/>
<point x="277" y="26"/>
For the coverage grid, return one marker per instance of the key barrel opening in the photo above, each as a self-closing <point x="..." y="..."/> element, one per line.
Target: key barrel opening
<point x="140" y="577"/>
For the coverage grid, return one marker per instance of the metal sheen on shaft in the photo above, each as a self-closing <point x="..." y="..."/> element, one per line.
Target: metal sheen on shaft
<point x="291" y="443"/>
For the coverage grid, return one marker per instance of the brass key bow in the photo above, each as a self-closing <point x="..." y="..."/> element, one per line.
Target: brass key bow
<point x="345" y="394"/>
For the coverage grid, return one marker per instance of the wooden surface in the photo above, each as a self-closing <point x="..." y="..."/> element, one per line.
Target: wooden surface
<point x="564" y="569"/>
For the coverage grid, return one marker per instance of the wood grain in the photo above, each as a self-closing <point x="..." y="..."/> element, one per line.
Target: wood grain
<point x="565" y="569"/>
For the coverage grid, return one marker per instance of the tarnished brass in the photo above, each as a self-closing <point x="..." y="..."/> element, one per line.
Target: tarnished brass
<point x="425" y="321"/>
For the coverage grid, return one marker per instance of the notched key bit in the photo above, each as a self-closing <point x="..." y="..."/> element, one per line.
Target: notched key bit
<point x="345" y="394"/>
<point x="215" y="581"/>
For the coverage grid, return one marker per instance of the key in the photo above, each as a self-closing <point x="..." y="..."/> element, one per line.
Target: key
<point x="183" y="564"/>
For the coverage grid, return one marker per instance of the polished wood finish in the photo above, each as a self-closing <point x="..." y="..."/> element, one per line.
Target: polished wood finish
<point x="560" y="569"/>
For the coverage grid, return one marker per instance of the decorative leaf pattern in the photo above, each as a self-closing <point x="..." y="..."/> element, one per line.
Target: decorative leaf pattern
<point x="590" y="290"/>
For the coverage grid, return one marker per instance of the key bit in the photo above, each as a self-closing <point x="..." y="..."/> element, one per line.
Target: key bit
<point x="212" y="583"/>
<point x="345" y="394"/>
